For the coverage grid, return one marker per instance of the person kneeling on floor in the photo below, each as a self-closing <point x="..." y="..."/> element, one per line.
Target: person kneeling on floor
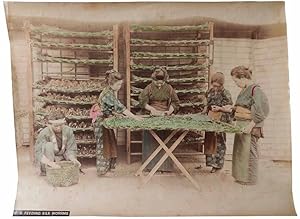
<point x="56" y="142"/>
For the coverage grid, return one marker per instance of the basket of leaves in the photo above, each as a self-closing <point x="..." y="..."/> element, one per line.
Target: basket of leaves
<point x="65" y="176"/>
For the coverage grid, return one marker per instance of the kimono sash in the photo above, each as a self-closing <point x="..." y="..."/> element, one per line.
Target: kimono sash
<point x="242" y="113"/>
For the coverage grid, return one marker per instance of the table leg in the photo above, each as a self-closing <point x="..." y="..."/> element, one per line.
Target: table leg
<point x="171" y="155"/>
<point x="157" y="150"/>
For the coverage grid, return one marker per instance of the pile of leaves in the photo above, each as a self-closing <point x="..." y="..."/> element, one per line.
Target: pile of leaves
<point x="192" y="122"/>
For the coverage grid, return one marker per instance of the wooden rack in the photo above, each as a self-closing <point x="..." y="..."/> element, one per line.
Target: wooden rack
<point x="187" y="53"/>
<point x="66" y="73"/>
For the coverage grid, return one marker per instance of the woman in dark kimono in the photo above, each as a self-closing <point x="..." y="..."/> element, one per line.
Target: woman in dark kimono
<point x="250" y="111"/>
<point x="108" y="104"/>
<point x="218" y="99"/>
<point x="160" y="99"/>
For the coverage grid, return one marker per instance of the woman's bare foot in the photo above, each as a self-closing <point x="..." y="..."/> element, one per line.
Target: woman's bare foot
<point x="213" y="170"/>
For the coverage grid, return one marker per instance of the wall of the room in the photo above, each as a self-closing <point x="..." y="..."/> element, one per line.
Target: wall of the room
<point x="268" y="60"/>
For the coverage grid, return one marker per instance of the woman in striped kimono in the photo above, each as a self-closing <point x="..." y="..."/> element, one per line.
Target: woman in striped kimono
<point x="108" y="104"/>
<point x="250" y="111"/>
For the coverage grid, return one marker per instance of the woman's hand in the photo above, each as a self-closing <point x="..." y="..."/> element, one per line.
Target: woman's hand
<point x="76" y="162"/>
<point x="155" y="112"/>
<point x="170" y="111"/>
<point x="138" y="118"/>
<point x="228" y="108"/>
<point x="215" y="108"/>
<point x="54" y="165"/>
<point x="131" y="115"/>
<point x="248" y="128"/>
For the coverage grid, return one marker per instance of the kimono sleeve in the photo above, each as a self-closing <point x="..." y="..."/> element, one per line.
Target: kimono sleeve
<point x="71" y="147"/>
<point x="113" y="103"/>
<point x="227" y="100"/>
<point x="144" y="97"/>
<point x="41" y="140"/>
<point x="260" y="108"/>
<point x="206" y="108"/>
<point x="174" y="99"/>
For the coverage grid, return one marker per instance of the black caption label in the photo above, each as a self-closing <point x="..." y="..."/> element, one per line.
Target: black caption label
<point x="40" y="213"/>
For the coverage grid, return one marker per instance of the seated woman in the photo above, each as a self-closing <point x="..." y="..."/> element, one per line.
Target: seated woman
<point x="108" y="103"/>
<point x="218" y="99"/>
<point x="55" y="143"/>
<point x="160" y="99"/>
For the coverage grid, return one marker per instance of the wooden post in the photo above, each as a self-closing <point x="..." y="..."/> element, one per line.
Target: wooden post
<point x="198" y="49"/>
<point x="42" y="64"/>
<point x="29" y="74"/>
<point x="75" y="56"/>
<point x="61" y="64"/>
<point x="211" y="49"/>
<point x="128" y="73"/>
<point x="115" y="47"/>
<point x="116" y="56"/>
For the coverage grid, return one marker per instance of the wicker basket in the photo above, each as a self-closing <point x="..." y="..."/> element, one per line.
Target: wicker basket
<point x="67" y="175"/>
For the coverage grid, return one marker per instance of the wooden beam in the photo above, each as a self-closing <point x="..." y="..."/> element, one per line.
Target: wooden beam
<point x="211" y="50"/>
<point x="29" y="77"/>
<point x="61" y="64"/>
<point x="211" y="45"/>
<point x="128" y="91"/>
<point x="115" y="47"/>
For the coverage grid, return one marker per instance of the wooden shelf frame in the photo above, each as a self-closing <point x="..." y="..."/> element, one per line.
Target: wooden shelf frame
<point x="202" y="63"/>
<point x="41" y="40"/>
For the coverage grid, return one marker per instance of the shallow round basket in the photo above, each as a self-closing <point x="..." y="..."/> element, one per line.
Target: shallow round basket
<point x="67" y="175"/>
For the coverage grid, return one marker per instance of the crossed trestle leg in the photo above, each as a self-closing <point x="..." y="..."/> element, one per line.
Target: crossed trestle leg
<point x="166" y="155"/>
<point x="152" y="156"/>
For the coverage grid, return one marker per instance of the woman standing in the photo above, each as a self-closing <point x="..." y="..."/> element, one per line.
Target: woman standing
<point x="251" y="109"/>
<point x="218" y="100"/>
<point x="160" y="99"/>
<point x="106" y="149"/>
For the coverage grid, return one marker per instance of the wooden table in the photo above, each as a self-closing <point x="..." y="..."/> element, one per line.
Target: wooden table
<point x="178" y="124"/>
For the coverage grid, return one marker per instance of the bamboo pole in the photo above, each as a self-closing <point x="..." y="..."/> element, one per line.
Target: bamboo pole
<point x="69" y="90"/>
<point x="64" y="102"/>
<point x="141" y="28"/>
<point x="170" y="68"/>
<point x="75" y="46"/>
<point x="134" y="104"/>
<point x="58" y="32"/>
<point x="168" y="43"/>
<point x="172" y="80"/>
<point x="178" y="55"/>
<point x="47" y="58"/>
